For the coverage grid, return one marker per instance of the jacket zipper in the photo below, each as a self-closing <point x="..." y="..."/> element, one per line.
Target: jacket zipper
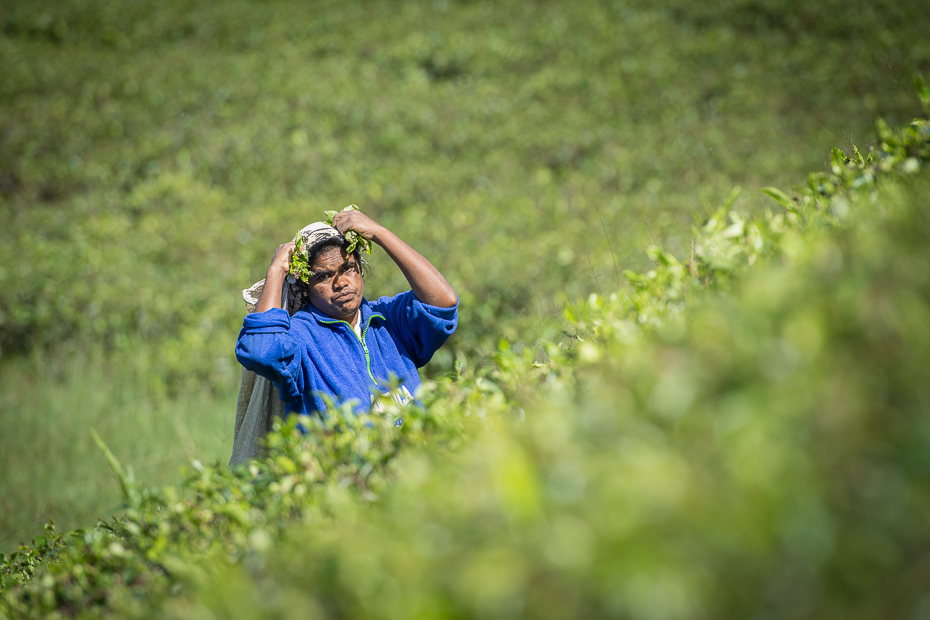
<point x="360" y="339"/>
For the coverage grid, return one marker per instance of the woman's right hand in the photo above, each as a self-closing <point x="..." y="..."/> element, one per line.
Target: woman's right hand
<point x="274" y="279"/>
<point x="281" y="261"/>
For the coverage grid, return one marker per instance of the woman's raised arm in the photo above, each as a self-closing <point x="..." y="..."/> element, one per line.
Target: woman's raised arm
<point x="274" y="278"/>
<point x="427" y="283"/>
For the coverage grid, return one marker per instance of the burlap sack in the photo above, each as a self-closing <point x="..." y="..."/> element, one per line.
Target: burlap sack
<point x="259" y="402"/>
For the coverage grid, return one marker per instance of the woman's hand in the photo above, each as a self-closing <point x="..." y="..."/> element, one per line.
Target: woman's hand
<point x="344" y="221"/>
<point x="274" y="279"/>
<point x="281" y="261"/>
<point x="425" y="280"/>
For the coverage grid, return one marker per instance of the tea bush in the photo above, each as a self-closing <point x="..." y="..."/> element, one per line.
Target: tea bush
<point x="742" y="433"/>
<point x="152" y="155"/>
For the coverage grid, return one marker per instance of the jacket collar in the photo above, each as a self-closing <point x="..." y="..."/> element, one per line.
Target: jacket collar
<point x="367" y="314"/>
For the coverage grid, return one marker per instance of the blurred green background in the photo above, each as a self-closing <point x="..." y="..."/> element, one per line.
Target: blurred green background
<point x="153" y="155"/>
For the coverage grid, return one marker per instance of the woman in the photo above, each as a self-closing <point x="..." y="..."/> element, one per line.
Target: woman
<point x="340" y="345"/>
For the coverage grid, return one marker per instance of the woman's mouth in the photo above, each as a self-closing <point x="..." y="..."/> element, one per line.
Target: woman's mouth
<point x="343" y="296"/>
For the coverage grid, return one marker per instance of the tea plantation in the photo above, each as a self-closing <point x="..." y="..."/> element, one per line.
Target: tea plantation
<point x="668" y="397"/>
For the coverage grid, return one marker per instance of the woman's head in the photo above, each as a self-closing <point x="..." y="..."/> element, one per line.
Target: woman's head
<point x="337" y="284"/>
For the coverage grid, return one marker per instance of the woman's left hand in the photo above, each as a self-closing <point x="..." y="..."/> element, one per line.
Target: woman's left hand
<point x="359" y="222"/>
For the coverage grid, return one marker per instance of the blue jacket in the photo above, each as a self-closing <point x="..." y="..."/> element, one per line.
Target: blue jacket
<point x="310" y="354"/>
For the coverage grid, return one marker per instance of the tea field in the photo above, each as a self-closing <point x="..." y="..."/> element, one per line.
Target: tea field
<point x="654" y="406"/>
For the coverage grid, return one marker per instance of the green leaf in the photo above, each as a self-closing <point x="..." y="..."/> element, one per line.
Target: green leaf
<point x="779" y="196"/>
<point x="734" y="194"/>
<point x="127" y="485"/>
<point x="922" y="90"/>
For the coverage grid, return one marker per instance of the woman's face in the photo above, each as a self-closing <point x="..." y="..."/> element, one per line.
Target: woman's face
<point x="336" y="287"/>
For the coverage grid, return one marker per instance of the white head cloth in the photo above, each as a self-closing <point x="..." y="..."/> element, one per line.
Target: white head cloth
<point x="316" y="232"/>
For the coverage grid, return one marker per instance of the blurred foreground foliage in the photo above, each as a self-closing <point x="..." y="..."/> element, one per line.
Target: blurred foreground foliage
<point x="744" y="433"/>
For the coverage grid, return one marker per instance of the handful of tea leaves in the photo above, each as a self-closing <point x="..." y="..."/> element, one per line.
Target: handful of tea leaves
<point x="300" y="264"/>
<point x="354" y="239"/>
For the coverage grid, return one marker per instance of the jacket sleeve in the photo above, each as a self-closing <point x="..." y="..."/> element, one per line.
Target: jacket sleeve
<point x="265" y="347"/>
<point x="419" y="327"/>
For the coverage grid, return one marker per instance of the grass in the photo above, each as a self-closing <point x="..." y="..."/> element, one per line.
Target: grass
<point x="53" y="469"/>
